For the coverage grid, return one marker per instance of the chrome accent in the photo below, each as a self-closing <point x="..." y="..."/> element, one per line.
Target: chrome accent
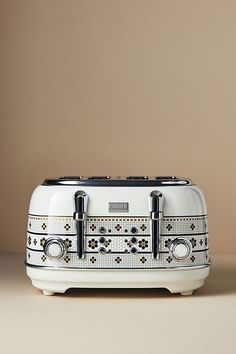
<point x="181" y="241"/>
<point x="156" y="215"/>
<point x="118" y="216"/>
<point x="134" y="230"/>
<point x="102" y="250"/>
<point x="125" y="181"/>
<point x="133" y="250"/>
<point x="58" y="241"/>
<point x="190" y="267"/>
<point x="81" y="201"/>
<point x="102" y="230"/>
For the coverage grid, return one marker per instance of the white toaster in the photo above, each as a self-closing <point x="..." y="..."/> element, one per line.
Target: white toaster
<point x="121" y="232"/>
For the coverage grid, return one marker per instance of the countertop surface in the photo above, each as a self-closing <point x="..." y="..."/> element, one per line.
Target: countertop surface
<point x="118" y="320"/>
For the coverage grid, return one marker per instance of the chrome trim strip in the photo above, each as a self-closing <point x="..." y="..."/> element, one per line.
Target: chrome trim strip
<point x="53" y="216"/>
<point x="186" y="216"/>
<point x="114" y="235"/>
<point x="196" y="234"/>
<point x="205" y="265"/>
<point x="49" y="234"/>
<point x="205" y="249"/>
<point x="118" y="216"/>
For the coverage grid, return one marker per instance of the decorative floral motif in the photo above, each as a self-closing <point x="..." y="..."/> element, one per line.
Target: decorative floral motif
<point x="43" y="226"/>
<point x="143" y="243"/>
<point x="128" y="243"/>
<point x="118" y="260"/>
<point x="35" y="242"/>
<point x="68" y="243"/>
<point x="193" y="242"/>
<point x="93" y="227"/>
<point x="206" y="241"/>
<point x="93" y="259"/>
<point x="169" y="259"/>
<point x="67" y="227"/>
<point x="143" y="259"/>
<point x="143" y="227"/>
<point x="29" y="240"/>
<point x="42" y="241"/>
<point x="67" y="259"/>
<point x="106" y="243"/>
<point x="93" y="243"/>
<point x="168" y="243"/>
<point x="43" y="258"/>
<point x="201" y="242"/>
<point x="169" y="227"/>
<point x="118" y="227"/>
<point x="192" y="258"/>
<point x="192" y="226"/>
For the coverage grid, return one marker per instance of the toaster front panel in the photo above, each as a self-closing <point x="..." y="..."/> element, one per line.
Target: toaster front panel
<point x="114" y="242"/>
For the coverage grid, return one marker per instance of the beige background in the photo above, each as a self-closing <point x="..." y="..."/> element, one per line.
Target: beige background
<point x="118" y="321"/>
<point x="117" y="87"/>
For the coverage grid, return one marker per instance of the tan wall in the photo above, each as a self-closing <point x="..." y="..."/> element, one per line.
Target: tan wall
<point x="118" y="87"/>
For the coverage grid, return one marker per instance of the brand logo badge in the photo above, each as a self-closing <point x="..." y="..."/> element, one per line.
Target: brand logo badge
<point x="118" y="207"/>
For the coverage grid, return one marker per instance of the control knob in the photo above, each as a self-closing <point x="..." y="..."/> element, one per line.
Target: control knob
<point x="55" y="248"/>
<point x="181" y="248"/>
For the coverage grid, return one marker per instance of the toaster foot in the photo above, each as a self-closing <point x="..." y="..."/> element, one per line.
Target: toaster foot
<point x="48" y="293"/>
<point x="187" y="293"/>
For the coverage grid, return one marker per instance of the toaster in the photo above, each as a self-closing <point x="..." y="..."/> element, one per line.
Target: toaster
<point x="117" y="232"/>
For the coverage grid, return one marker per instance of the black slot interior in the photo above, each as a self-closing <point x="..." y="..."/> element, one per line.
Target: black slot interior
<point x="137" y="177"/>
<point x="99" y="177"/>
<point x="165" y="177"/>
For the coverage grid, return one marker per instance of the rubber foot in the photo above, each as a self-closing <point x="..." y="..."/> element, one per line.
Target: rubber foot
<point x="48" y="293"/>
<point x="187" y="293"/>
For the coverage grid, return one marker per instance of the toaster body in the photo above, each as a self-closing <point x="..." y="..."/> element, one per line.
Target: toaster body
<point x="130" y="232"/>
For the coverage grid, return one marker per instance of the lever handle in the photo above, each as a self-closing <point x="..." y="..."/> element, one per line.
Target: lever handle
<point x="81" y="199"/>
<point x="156" y="214"/>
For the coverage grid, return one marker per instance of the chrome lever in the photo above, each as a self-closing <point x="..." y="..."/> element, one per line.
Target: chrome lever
<point x="81" y="201"/>
<point x="156" y="215"/>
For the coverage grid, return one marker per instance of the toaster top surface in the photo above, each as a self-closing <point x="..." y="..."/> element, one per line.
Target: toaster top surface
<point x="125" y="181"/>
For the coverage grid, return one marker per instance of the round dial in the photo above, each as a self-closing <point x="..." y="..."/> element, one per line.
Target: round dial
<point x="55" y="248"/>
<point x="181" y="248"/>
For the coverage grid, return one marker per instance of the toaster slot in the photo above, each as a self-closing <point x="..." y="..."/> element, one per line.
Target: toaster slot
<point x="165" y="177"/>
<point x="99" y="177"/>
<point x="156" y="215"/>
<point x="80" y="219"/>
<point x="137" y="177"/>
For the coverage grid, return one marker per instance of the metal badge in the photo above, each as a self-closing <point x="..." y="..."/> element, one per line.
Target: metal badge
<point x="118" y="207"/>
